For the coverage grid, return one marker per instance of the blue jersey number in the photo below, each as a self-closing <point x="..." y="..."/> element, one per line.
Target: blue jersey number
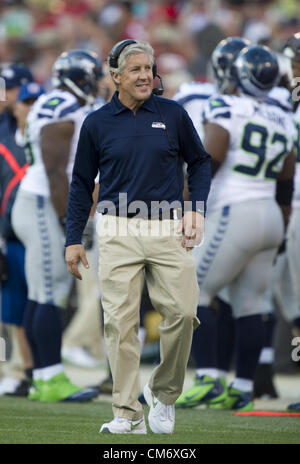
<point x="259" y="149"/>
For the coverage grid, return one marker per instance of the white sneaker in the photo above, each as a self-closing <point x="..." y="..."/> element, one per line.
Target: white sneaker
<point x="122" y="425"/>
<point x="161" y="416"/>
<point x="8" y="385"/>
<point x="79" y="357"/>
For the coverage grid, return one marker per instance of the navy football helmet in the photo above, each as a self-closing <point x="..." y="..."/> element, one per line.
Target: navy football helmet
<point x="257" y="70"/>
<point x="79" y="70"/>
<point x="222" y="60"/>
<point x="292" y="47"/>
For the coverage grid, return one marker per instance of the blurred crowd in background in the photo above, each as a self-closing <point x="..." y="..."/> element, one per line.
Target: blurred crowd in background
<point x="182" y="33"/>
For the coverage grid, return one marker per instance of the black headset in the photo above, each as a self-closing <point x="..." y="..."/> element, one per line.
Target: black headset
<point x="114" y="57"/>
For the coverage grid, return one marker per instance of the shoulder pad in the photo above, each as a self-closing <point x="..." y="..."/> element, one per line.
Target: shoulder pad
<point x="217" y="102"/>
<point x="217" y="107"/>
<point x="53" y="103"/>
<point x="58" y="104"/>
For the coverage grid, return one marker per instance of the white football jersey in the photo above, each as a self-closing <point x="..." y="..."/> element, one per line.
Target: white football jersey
<point x="261" y="136"/>
<point x="282" y="97"/>
<point x="193" y="96"/>
<point x="54" y="106"/>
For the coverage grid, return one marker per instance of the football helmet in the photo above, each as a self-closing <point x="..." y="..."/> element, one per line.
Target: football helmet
<point x="222" y="60"/>
<point x="257" y="70"/>
<point x="79" y="70"/>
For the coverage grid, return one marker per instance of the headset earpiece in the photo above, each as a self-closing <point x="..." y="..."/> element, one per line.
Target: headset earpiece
<point x="157" y="90"/>
<point x="117" y="50"/>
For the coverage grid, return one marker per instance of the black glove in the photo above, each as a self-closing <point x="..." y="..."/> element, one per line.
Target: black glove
<point x="88" y="234"/>
<point x="3" y="268"/>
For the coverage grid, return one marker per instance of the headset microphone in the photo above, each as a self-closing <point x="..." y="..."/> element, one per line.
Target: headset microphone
<point x="159" y="90"/>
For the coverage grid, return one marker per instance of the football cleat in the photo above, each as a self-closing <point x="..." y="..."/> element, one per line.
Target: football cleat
<point x="205" y="390"/>
<point x="294" y="407"/>
<point x="236" y="400"/>
<point x="59" y="388"/>
<point x="121" y="425"/>
<point x="21" y="390"/>
<point x="35" y="391"/>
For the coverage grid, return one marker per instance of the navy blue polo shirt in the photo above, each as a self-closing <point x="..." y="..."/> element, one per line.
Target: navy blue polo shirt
<point x="140" y="154"/>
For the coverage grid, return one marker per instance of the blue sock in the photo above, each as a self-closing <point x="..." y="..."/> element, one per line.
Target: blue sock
<point x="225" y="335"/>
<point x="249" y="342"/>
<point x="269" y="323"/>
<point x="28" y="323"/>
<point x="47" y="331"/>
<point x="204" y="349"/>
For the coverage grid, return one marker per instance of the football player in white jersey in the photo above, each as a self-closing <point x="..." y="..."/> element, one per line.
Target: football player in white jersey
<point x="279" y="293"/>
<point x="292" y="51"/>
<point x="251" y="147"/>
<point x="293" y="236"/>
<point x="193" y="96"/>
<point x="52" y="133"/>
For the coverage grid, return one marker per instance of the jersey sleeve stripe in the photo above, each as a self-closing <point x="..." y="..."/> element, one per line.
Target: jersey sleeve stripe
<point x="69" y="109"/>
<point x="226" y="115"/>
<point x="45" y="115"/>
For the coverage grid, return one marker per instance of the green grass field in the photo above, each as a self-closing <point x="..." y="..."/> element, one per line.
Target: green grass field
<point x="25" y="422"/>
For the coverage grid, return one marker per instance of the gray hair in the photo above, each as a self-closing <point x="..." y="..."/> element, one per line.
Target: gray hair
<point x="133" y="49"/>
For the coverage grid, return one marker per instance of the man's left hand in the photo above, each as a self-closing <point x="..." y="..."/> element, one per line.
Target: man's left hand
<point x="74" y="255"/>
<point x="193" y="229"/>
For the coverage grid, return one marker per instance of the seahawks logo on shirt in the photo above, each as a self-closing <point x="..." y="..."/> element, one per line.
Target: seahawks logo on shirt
<point x="158" y="125"/>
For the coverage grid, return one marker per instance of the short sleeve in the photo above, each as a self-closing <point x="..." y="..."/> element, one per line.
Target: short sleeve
<point x="218" y="111"/>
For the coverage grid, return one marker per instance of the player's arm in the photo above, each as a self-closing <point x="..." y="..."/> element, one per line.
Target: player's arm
<point x="216" y="143"/>
<point x="55" y="146"/>
<point x="285" y="186"/>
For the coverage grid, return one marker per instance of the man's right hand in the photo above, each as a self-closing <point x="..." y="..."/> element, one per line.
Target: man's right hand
<point x="75" y="254"/>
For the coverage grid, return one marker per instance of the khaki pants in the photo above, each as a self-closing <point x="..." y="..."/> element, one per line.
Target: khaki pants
<point x="126" y="247"/>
